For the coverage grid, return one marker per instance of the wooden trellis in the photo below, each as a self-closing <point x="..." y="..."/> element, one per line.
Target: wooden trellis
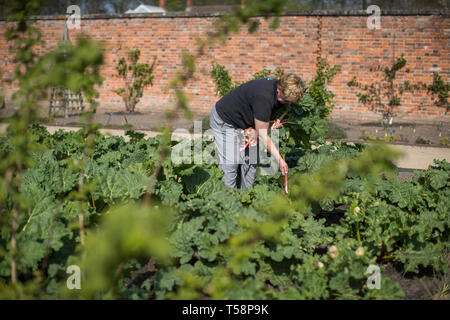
<point x="63" y="100"/>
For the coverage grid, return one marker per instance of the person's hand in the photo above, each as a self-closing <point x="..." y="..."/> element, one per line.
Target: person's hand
<point x="283" y="167"/>
<point x="251" y="133"/>
<point x="250" y="136"/>
<point x="276" y="125"/>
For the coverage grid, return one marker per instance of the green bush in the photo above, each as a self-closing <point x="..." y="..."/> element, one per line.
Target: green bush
<point x="423" y="140"/>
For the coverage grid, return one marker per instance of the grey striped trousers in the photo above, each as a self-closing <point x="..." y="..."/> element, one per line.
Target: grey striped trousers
<point x="229" y="141"/>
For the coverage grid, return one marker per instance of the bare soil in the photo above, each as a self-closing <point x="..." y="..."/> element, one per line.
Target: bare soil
<point x="405" y="174"/>
<point x="422" y="286"/>
<point x="403" y="133"/>
<point x="136" y="121"/>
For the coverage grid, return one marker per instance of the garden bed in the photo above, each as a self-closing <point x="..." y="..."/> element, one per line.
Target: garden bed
<point x="398" y="133"/>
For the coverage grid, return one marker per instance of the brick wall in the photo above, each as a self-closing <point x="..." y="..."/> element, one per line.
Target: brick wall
<point x="342" y="39"/>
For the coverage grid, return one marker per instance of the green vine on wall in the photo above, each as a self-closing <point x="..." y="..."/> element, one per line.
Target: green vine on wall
<point x="317" y="87"/>
<point x="222" y="80"/>
<point x="440" y="88"/>
<point x="385" y="96"/>
<point x="136" y="77"/>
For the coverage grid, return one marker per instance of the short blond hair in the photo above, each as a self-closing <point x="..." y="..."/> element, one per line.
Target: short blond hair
<point x="292" y="88"/>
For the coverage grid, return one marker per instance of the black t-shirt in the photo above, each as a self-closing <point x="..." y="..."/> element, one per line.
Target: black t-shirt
<point x="253" y="99"/>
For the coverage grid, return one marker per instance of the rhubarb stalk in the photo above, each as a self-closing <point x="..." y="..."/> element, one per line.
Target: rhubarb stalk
<point x="285" y="184"/>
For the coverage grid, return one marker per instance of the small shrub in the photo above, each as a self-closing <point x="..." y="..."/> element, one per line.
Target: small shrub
<point x="444" y="142"/>
<point x="136" y="76"/>
<point x="422" y="140"/>
<point x="365" y="135"/>
<point x="388" y="138"/>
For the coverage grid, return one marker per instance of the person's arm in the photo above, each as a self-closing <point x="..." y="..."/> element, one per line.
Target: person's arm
<point x="261" y="128"/>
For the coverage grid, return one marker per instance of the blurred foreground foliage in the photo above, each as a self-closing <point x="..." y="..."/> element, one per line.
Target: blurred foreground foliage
<point x="141" y="226"/>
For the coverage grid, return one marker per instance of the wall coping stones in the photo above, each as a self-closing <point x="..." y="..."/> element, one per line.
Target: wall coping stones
<point x="218" y="14"/>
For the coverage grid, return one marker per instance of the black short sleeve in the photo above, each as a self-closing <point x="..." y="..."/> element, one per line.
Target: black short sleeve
<point x="262" y="108"/>
<point x="252" y="100"/>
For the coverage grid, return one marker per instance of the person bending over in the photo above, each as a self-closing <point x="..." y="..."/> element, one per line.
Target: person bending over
<point x="248" y="109"/>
